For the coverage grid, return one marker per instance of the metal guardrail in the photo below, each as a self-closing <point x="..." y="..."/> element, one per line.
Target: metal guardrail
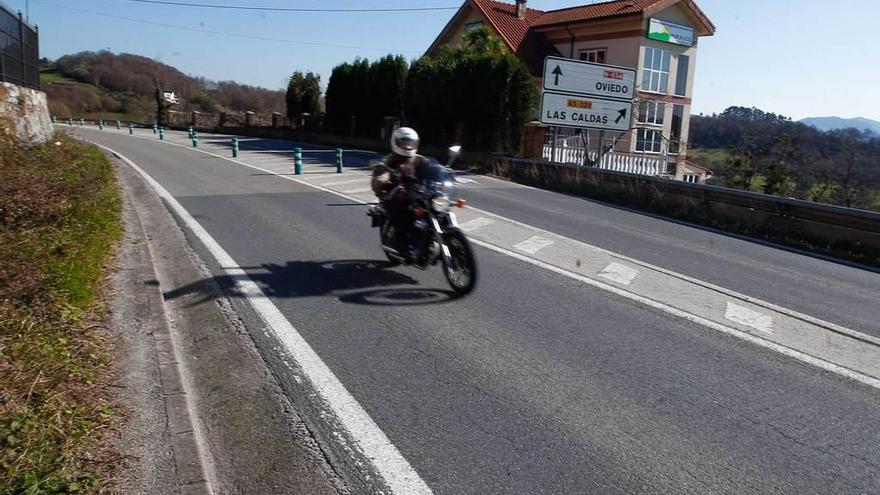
<point x="831" y="229"/>
<point x="19" y="50"/>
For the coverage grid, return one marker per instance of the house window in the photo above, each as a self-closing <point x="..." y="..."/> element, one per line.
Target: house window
<point x="597" y="56"/>
<point x="655" y="72"/>
<point x="692" y="178"/>
<point x="651" y="112"/>
<point x="649" y="140"/>
<point x="681" y="75"/>
<point x="675" y="131"/>
<point x="473" y="25"/>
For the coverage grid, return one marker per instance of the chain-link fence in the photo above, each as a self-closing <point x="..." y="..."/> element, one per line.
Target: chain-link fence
<point x="19" y="50"/>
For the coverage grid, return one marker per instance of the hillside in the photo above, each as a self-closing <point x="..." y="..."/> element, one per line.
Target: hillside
<point x="764" y="152"/>
<point x="836" y="123"/>
<point x="110" y="86"/>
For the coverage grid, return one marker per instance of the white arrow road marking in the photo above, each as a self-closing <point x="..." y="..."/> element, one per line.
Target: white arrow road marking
<point x="466" y="181"/>
<point x="475" y="224"/>
<point x="533" y="245"/>
<point x="749" y="317"/>
<point x="621" y="274"/>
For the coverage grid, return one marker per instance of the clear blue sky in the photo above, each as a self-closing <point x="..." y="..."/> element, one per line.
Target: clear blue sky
<point x="800" y="58"/>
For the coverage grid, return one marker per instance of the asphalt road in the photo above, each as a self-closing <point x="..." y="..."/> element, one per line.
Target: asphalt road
<point x="834" y="291"/>
<point x="537" y="383"/>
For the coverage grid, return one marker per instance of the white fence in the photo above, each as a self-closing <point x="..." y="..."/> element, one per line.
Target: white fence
<point x="633" y="164"/>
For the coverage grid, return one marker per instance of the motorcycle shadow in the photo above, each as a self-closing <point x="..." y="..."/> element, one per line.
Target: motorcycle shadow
<point x="371" y="282"/>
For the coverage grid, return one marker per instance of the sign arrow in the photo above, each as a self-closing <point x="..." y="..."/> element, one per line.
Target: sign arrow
<point x="557" y="72"/>
<point x="622" y="115"/>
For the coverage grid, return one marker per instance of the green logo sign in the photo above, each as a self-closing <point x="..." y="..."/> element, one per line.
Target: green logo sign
<point x="671" y="33"/>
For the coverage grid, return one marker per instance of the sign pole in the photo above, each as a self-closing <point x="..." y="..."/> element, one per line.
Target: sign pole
<point x="601" y="149"/>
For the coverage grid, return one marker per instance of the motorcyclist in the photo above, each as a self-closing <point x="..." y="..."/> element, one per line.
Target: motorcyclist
<point x="390" y="183"/>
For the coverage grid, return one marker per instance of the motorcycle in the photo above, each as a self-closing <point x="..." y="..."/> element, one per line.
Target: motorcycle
<point x="434" y="235"/>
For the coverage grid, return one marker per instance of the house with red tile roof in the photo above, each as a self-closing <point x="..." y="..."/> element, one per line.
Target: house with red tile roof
<point x="658" y="38"/>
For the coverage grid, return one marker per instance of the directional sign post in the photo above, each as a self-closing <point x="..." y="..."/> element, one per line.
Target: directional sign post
<point x="562" y="75"/>
<point x="585" y="112"/>
<point x="587" y="95"/>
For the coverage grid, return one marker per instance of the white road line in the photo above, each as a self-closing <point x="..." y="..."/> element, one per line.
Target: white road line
<point x="533" y="245"/>
<point x="717" y="288"/>
<point x="359" y="190"/>
<point x="377" y="449"/>
<point x="361" y="180"/>
<point x="800" y="356"/>
<point x="464" y="180"/>
<point x="475" y="224"/>
<point x="621" y="274"/>
<point x="748" y="317"/>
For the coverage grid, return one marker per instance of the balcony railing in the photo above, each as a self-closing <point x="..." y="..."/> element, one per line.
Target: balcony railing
<point x="652" y="165"/>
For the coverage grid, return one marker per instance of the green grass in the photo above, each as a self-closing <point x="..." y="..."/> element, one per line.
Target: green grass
<point x="709" y="157"/>
<point x="49" y="76"/>
<point x="59" y="220"/>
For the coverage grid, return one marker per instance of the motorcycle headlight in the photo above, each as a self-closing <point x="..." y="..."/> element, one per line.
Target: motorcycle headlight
<point x="440" y="203"/>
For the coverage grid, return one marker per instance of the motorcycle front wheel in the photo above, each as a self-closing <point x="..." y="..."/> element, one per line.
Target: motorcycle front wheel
<point x="461" y="266"/>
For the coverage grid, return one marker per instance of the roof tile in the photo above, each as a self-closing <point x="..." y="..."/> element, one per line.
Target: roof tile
<point x="595" y="11"/>
<point x="502" y="16"/>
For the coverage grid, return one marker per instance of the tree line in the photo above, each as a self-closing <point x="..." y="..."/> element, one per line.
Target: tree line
<point x="772" y="154"/>
<point x="479" y="95"/>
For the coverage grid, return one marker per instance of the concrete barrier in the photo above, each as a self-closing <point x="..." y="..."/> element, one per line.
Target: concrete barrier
<point x="833" y="230"/>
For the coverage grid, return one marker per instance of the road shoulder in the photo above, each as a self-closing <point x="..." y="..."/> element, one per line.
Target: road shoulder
<point x="205" y="412"/>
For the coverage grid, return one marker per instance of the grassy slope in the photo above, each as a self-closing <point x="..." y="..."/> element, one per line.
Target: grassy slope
<point x="50" y="76"/>
<point x="59" y="220"/>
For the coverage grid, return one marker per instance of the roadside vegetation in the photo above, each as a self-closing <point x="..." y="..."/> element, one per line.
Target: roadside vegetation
<point x="59" y="221"/>
<point x="104" y="85"/>
<point x="757" y="151"/>
<point x="478" y="95"/>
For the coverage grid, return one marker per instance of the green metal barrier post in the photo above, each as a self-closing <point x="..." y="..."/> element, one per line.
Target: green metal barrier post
<point x="235" y="147"/>
<point x="298" y="161"/>
<point x="338" y="160"/>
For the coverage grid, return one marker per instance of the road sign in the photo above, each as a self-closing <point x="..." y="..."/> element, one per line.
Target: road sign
<point x="585" y="111"/>
<point x="574" y="76"/>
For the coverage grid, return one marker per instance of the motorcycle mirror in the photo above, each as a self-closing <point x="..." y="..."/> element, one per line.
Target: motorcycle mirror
<point x="454" y="150"/>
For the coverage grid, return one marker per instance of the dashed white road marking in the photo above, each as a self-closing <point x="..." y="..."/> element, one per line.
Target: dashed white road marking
<point x="748" y="317"/>
<point x="533" y="245"/>
<point x="343" y="182"/>
<point x="388" y="462"/>
<point x="475" y="224"/>
<point x="466" y="181"/>
<point x="729" y="330"/>
<point x="621" y="274"/>
<point x="358" y="191"/>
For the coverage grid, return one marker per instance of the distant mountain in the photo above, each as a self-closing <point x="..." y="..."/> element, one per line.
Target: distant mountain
<point x="832" y="123"/>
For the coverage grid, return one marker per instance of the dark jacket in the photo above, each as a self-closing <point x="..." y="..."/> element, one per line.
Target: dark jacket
<point x="383" y="180"/>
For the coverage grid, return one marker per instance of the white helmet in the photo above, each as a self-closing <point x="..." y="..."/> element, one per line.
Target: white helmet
<point x="405" y="141"/>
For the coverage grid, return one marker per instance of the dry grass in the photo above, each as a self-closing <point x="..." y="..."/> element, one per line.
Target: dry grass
<point x="59" y="220"/>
